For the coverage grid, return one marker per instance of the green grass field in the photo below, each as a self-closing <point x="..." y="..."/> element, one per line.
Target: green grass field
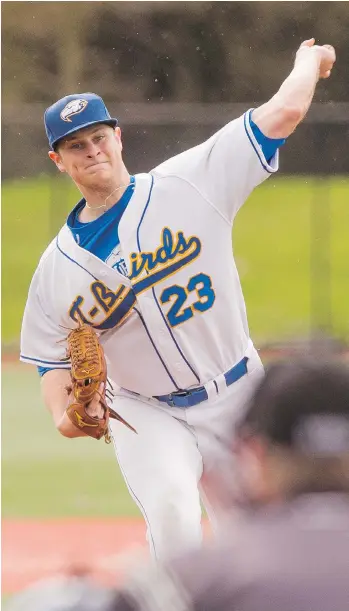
<point x="46" y="475"/>
<point x="272" y="244"/>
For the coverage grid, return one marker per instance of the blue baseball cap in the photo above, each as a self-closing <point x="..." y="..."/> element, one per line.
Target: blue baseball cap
<point x="74" y="112"/>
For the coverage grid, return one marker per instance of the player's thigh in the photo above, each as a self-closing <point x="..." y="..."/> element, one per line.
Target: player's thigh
<point x="215" y="430"/>
<point x="162" y="455"/>
<point x="214" y="421"/>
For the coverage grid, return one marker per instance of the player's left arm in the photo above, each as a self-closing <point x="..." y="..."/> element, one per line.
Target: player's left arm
<point x="279" y="117"/>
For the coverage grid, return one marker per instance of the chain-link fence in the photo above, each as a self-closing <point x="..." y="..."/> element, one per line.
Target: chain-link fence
<point x="153" y="132"/>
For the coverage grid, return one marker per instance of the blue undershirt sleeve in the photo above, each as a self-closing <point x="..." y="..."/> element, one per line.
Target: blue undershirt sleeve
<point x="43" y="370"/>
<point x="269" y="145"/>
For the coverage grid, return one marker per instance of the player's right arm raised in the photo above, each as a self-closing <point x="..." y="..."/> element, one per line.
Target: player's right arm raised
<point x="241" y="155"/>
<point x="279" y="117"/>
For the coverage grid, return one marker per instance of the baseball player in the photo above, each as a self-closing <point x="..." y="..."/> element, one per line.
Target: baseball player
<point x="147" y="261"/>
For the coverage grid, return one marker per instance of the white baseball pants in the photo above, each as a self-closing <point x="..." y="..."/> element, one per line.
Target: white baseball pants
<point x="164" y="463"/>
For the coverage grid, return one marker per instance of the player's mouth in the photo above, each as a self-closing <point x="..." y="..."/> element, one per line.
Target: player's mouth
<point x="93" y="166"/>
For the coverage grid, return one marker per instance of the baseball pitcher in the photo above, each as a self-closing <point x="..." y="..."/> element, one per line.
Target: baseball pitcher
<point x="135" y="312"/>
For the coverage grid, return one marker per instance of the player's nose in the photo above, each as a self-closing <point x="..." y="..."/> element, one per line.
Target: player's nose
<point x="92" y="150"/>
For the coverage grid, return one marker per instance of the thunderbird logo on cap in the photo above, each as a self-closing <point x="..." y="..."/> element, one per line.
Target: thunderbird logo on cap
<point x="73" y="108"/>
<point x="86" y="108"/>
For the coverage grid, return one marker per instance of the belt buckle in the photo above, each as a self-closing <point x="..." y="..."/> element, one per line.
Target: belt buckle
<point x="180" y="393"/>
<point x="170" y="401"/>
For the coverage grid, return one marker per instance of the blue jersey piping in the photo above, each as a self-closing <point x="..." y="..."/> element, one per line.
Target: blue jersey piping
<point x="247" y="115"/>
<point x="153" y="290"/>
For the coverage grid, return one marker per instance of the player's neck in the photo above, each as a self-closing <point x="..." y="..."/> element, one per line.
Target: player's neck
<point x="101" y="199"/>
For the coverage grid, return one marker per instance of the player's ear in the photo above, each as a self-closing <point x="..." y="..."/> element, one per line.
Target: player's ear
<point x="55" y="157"/>
<point x="117" y="132"/>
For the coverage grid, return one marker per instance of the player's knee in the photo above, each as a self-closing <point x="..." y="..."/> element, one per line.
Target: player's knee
<point x="178" y="509"/>
<point x="174" y="522"/>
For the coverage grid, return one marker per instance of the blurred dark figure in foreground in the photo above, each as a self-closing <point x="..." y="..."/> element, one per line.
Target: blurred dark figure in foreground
<point x="289" y="550"/>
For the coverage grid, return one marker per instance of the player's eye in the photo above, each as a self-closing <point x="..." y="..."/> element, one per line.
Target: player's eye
<point x="99" y="137"/>
<point x="76" y="145"/>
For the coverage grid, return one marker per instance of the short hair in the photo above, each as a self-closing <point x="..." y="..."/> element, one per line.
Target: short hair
<point x="301" y="404"/>
<point x="301" y="410"/>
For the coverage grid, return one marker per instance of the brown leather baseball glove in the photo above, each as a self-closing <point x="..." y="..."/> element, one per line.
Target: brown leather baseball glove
<point x="88" y="373"/>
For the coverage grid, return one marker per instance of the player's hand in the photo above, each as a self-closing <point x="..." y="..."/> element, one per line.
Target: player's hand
<point x="95" y="408"/>
<point x="326" y="54"/>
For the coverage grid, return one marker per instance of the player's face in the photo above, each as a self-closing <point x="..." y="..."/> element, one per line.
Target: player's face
<point x="92" y="156"/>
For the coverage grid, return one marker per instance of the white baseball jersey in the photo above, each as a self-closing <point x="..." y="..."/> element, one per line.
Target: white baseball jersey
<point x="178" y="319"/>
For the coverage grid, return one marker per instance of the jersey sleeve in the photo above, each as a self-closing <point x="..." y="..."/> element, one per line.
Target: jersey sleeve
<point x="225" y="168"/>
<point x="43" y="370"/>
<point x="269" y="145"/>
<point x="42" y="340"/>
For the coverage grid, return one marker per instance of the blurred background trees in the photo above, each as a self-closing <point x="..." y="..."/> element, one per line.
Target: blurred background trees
<point x="152" y="61"/>
<point x="157" y="54"/>
<point x="174" y="51"/>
